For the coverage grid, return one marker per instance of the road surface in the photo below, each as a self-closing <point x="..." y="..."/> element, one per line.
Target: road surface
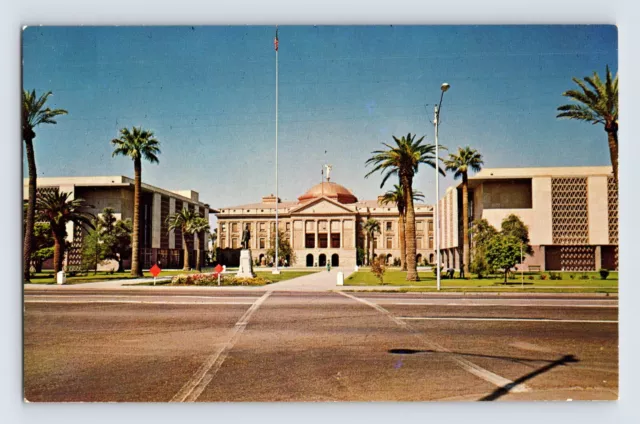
<point x="184" y="346"/>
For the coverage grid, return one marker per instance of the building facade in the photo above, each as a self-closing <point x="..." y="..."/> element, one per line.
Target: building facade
<point x="323" y="226"/>
<point x="571" y="213"/>
<point x="158" y="245"/>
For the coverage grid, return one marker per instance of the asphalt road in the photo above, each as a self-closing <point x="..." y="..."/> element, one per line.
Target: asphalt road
<point x="183" y="346"/>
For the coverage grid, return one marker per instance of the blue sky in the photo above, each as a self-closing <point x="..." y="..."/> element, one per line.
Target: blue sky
<point x="208" y="93"/>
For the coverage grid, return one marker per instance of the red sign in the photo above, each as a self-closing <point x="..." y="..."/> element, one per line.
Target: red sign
<point x="218" y="269"/>
<point x="155" y="270"/>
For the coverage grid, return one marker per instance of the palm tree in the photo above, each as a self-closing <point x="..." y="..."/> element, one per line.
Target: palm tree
<point x="371" y="227"/>
<point x="183" y="220"/>
<point x="199" y="226"/>
<point x="396" y="196"/>
<point x="460" y="163"/>
<point x="33" y="114"/>
<point x="57" y="209"/>
<point x="137" y="144"/>
<point x="403" y="160"/>
<point x="598" y="105"/>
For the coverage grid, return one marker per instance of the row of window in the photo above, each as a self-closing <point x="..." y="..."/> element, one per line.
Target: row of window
<point x="389" y="243"/>
<point x="323" y="240"/>
<point x="389" y="225"/>
<point x="262" y="226"/>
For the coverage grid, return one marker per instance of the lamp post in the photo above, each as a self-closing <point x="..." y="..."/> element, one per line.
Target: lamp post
<point x="444" y="87"/>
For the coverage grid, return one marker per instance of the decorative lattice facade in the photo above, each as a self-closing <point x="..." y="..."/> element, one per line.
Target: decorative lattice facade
<point x="577" y="258"/>
<point x="570" y="216"/>
<point x="612" y="191"/>
<point x="74" y="254"/>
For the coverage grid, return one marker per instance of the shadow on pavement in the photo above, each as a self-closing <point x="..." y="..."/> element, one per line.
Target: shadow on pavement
<point x="501" y="391"/>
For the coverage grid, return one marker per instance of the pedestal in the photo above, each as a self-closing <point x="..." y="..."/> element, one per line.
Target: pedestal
<point x="246" y="265"/>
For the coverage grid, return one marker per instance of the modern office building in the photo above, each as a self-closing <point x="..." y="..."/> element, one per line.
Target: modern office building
<point x="571" y="212"/>
<point x="158" y="245"/>
<point x="323" y="225"/>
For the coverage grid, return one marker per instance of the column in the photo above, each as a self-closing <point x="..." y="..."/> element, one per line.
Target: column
<point x="155" y="221"/>
<point x="341" y="233"/>
<point x="172" y="234"/>
<point x="355" y="235"/>
<point x="255" y="239"/>
<point x="543" y="259"/>
<point x="316" y="227"/>
<point x="598" y="257"/>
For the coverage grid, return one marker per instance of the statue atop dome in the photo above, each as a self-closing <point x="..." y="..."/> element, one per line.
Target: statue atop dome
<point x="328" y="168"/>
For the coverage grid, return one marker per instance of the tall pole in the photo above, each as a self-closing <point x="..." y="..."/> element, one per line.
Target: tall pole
<point x="435" y="122"/>
<point x="521" y="266"/>
<point x="275" y="271"/>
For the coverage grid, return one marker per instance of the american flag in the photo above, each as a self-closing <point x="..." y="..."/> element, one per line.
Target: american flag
<point x="275" y="41"/>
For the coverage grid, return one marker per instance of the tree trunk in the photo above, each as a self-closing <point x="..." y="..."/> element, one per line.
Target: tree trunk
<point x="185" y="266"/>
<point x="198" y="258"/>
<point x="58" y="252"/>
<point x="466" y="254"/>
<point x="612" y="136"/>
<point x="31" y="208"/>
<point x="373" y="247"/>
<point x="410" y="228"/>
<point x="136" y="269"/>
<point x="506" y="272"/>
<point x="368" y="251"/>
<point x="403" y="242"/>
<point x="120" y="264"/>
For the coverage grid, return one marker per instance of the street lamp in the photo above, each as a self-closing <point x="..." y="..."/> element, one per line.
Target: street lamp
<point x="444" y="87"/>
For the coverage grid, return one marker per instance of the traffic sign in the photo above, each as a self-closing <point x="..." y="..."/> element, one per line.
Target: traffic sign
<point x="155" y="270"/>
<point x="218" y="269"/>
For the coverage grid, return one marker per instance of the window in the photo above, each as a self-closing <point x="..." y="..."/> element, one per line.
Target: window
<point x="335" y="240"/>
<point x="223" y="226"/>
<point x="322" y="240"/>
<point x="430" y="242"/>
<point x="309" y="241"/>
<point x="389" y="243"/>
<point x="375" y="243"/>
<point x="262" y="243"/>
<point x="234" y="227"/>
<point x="323" y="225"/>
<point x="263" y="226"/>
<point x="430" y="225"/>
<point x="389" y="226"/>
<point x="418" y="242"/>
<point x="418" y="225"/>
<point x="288" y="226"/>
<point x="234" y="243"/>
<point x="223" y="244"/>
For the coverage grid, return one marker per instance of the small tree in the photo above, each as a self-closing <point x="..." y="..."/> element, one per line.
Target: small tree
<point x="94" y="250"/>
<point x="378" y="268"/>
<point x="513" y="226"/>
<point x="481" y="234"/>
<point x="360" y="254"/>
<point x="42" y="245"/>
<point x="503" y="252"/>
<point x="284" y="248"/>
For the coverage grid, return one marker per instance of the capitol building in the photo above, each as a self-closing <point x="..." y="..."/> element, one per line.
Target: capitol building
<point x="325" y="225"/>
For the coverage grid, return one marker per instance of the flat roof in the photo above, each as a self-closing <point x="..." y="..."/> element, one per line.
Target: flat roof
<point x="111" y="181"/>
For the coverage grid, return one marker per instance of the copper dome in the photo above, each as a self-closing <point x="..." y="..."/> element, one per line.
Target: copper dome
<point x="330" y="190"/>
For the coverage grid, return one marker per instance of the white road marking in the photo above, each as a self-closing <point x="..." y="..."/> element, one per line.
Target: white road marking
<point x="465" y="364"/>
<point x="145" y="296"/>
<point x="505" y="302"/>
<point x="585" y="321"/>
<point x="199" y="381"/>
<point x="146" y="302"/>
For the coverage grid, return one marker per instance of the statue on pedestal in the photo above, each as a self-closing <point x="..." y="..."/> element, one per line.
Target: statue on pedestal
<point x="246" y="264"/>
<point x="246" y="236"/>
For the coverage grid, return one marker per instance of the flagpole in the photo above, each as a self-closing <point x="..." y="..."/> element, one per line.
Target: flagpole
<point x="276" y="271"/>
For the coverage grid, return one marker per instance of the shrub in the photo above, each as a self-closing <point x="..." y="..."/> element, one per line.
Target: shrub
<point x="378" y="269"/>
<point x="554" y="276"/>
<point x="543" y="276"/>
<point x="572" y="276"/>
<point x="604" y="273"/>
<point x="531" y="277"/>
<point x="584" y="277"/>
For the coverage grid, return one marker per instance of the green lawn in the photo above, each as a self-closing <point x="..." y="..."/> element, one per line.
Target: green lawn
<point x="47" y="277"/>
<point x="428" y="282"/>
